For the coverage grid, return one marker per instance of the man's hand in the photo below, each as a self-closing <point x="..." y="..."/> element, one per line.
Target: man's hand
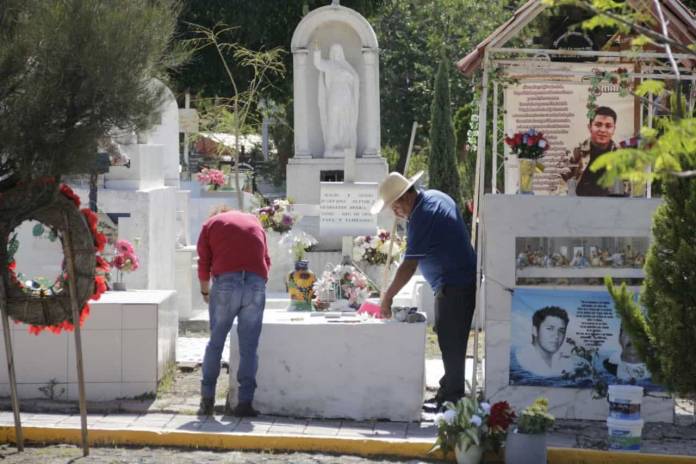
<point x="385" y="306"/>
<point x="205" y="290"/>
<point x="206" y="298"/>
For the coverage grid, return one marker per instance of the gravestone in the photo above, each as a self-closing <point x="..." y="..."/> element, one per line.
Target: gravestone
<point x="336" y="112"/>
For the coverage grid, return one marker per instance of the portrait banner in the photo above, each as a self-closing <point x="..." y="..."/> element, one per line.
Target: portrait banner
<point x="571" y="339"/>
<point x="557" y="106"/>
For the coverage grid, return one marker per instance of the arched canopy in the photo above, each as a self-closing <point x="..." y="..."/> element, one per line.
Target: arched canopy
<point x="353" y="19"/>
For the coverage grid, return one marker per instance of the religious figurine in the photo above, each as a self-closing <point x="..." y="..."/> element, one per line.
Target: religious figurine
<point x="338" y="96"/>
<point x="522" y="261"/>
<point x="639" y="260"/>
<point x="604" y="258"/>
<point x="579" y="260"/>
<point x="617" y="260"/>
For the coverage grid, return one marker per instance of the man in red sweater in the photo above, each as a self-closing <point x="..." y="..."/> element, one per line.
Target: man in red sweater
<point x="232" y="249"/>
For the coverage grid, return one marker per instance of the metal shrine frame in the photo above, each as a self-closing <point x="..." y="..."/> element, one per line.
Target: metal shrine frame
<point x="502" y="59"/>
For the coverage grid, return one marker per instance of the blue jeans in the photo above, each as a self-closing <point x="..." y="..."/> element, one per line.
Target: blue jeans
<point x="240" y="295"/>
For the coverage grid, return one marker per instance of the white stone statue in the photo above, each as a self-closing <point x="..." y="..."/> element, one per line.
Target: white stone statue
<point x="339" y="94"/>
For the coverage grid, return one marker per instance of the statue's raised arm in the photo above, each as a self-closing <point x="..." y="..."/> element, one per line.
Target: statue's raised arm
<point x="338" y="99"/>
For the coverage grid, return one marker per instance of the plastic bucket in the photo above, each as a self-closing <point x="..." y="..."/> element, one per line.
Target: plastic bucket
<point x="624" y="402"/>
<point x="624" y="435"/>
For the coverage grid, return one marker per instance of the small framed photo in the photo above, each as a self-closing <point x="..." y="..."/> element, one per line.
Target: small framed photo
<point x="564" y="251"/>
<point x="578" y="251"/>
<point x="593" y="251"/>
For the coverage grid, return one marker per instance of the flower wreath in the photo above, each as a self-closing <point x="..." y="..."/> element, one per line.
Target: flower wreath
<point x="40" y="310"/>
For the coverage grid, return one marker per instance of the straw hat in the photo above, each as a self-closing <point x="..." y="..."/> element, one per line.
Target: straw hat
<point x="391" y="190"/>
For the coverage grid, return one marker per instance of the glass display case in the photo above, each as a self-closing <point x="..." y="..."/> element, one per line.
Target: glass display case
<point x="579" y="260"/>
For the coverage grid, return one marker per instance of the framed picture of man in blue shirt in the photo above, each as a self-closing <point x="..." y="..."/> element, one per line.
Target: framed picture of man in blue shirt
<point x="438" y="244"/>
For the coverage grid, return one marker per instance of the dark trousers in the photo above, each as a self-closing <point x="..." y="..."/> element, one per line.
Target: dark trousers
<point x="454" y="311"/>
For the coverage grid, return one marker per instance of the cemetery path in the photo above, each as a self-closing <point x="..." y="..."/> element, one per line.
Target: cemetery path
<point x="63" y="454"/>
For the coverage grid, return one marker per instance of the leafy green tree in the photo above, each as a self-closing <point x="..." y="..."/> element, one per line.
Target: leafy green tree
<point x="235" y="113"/>
<point x="411" y="33"/>
<point x="70" y="71"/>
<point x="664" y="335"/>
<point x="442" y="166"/>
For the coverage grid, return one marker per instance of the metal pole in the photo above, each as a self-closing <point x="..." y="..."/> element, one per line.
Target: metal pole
<point x="19" y="436"/>
<point x="494" y="143"/>
<point x="70" y="263"/>
<point x="385" y="277"/>
<point x="478" y="190"/>
<point x="187" y="105"/>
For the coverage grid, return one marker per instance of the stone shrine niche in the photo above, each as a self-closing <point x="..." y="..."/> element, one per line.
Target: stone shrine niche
<point x="326" y="28"/>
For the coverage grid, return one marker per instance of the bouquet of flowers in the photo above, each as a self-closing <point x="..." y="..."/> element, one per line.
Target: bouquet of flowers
<point x="276" y="216"/>
<point x="298" y="243"/>
<point x="470" y="422"/>
<point x="125" y="259"/>
<point x="343" y="282"/>
<point x="213" y="178"/>
<point x="528" y="145"/>
<point x="374" y="248"/>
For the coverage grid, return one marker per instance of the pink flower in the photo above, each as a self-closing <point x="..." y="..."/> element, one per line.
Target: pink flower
<point x="124" y="247"/>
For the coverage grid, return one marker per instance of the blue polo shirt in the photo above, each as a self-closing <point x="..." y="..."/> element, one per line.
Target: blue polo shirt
<point x="438" y="239"/>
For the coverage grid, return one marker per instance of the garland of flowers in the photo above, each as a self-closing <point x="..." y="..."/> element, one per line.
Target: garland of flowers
<point x="618" y="77"/>
<point x="102" y="268"/>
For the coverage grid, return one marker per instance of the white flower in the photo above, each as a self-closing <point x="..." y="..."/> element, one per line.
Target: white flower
<point x="542" y="143"/>
<point x="449" y="416"/>
<point x="476" y="420"/>
<point x="439" y="418"/>
<point x="485" y="407"/>
<point x="357" y="254"/>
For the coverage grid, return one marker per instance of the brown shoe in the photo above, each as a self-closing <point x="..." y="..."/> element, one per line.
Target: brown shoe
<point x="244" y="410"/>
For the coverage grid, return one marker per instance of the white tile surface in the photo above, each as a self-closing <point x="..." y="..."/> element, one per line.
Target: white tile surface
<point x="131" y="389"/>
<point x="95" y="391"/>
<point x="40" y="358"/>
<point x="101" y="356"/>
<point x="103" y="317"/>
<point x="139" y="316"/>
<point x="139" y="356"/>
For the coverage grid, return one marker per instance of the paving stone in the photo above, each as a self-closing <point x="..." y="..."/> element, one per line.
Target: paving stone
<point x="288" y="426"/>
<point x="320" y="427"/>
<point x="259" y="425"/>
<point x="356" y="429"/>
<point x="391" y="430"/>
<point x="419" y="431"/>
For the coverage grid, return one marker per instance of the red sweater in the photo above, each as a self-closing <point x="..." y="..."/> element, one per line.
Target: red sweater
<point x="232" y="242"/>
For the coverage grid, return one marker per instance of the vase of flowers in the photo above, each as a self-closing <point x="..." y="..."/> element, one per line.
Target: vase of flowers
<point x="469" y="427"/>
<point x="300" y="281"/>
<point x="529" y="146"/>
<point x="370" y="252"/>
<point x="527" y="443"/>
<point x="213" y="179"/>
<point x="277" y="216"/>
<point x="277" y="219"/>
<point x="125" y="260"/>
<point x="343" y="287"/>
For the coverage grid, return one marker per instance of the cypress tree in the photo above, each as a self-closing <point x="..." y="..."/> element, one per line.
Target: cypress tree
<point x="442" y="166"/>
<point x="665" y="335"/>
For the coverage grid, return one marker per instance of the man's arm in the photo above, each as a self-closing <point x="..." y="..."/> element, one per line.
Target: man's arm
<point x="403" y="274"/>
<point x="204" y="263"/>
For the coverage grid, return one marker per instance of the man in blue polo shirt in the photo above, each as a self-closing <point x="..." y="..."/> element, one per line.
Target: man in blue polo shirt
<point x="438" y="243"/>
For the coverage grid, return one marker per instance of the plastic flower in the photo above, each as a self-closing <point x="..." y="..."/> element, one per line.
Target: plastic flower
<point x="124" y="247"/>
<point x="449" y="416"/>
<point x="485" y="407"/>
<point x="476" y="420"/>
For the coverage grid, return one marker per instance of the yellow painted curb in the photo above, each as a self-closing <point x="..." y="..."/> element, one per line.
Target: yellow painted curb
<point x="354" y="446"/>
<point x="319" y="444"/>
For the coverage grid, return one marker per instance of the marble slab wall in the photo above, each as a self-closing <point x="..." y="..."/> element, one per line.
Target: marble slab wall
<point x="505" y="217"/>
